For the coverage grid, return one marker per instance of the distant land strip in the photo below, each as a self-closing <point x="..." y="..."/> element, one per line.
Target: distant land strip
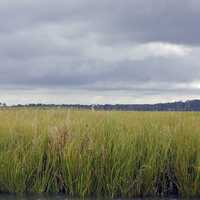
<point x="190" y="105"/>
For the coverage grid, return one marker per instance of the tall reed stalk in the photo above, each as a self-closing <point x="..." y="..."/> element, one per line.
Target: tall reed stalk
<point x="110" y="154"/>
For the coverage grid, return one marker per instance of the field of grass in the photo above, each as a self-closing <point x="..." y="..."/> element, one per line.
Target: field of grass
<point x="112" y="154"/>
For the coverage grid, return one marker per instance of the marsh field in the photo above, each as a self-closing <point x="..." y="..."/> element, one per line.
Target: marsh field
<point x="100" y="153"/>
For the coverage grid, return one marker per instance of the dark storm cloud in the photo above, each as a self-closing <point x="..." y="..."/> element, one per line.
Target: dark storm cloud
<point x="153" y="20"/>
<point x="107" y="45"/>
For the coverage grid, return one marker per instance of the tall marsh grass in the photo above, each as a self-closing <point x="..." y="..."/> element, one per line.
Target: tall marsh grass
<point x="112" y="154"/>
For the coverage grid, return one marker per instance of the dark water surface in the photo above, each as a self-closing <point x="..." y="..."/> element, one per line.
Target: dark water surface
<point x="62" y="197"/>
<point x="33" y="197"/>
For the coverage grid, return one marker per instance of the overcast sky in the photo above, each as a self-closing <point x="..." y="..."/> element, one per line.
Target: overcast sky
<point x="105" y="51"/>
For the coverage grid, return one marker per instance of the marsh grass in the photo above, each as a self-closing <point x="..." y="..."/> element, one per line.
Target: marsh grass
<point x="112" y="154"/>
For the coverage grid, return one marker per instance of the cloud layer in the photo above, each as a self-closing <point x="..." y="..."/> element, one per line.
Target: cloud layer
<point x="110" y="51"/>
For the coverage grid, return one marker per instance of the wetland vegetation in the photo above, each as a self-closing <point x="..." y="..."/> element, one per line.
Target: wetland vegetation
<point x="99" y="153"/>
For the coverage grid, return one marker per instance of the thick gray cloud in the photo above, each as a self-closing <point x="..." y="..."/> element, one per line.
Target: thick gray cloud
<point x="132" y="50"/>
<point x="153" y="20"/>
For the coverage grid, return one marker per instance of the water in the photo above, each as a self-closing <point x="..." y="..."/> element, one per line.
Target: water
<point x="33" y="197"/>
<point x="60" y="197"/>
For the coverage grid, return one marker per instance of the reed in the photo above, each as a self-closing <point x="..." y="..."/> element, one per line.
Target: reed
<point x="110" y="154"/>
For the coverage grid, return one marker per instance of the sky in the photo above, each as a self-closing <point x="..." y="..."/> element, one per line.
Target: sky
<point x="97" y="52"/>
